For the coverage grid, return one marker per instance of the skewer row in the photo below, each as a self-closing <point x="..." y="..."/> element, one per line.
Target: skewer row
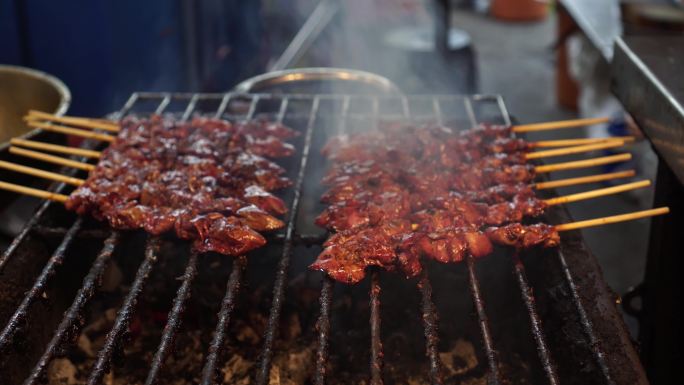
<point x="575" y="146"/>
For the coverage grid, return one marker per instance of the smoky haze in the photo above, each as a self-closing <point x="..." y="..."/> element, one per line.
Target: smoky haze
<point x="395" y="39"/>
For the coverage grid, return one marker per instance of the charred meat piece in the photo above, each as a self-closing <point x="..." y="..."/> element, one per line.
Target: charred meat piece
<point x="521" y="237"/>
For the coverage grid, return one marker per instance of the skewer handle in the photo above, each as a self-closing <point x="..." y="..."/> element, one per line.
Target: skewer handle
<point x="55" y="148"/>
<point x="612" y="219"/>
<point x="583" y="163"/>
<point x="51" y="159"/>
<point x="578" y="141"/>
<point x="597" y="193"/>
<point x="71" y="131"/>
<point x="41" y="173"/>
<point x="33" y="192"/>
<point x="77" y="121"/>
<point x="583" y="180"/>
<point x="559" y="124"/>
<point x="575" y="149"/>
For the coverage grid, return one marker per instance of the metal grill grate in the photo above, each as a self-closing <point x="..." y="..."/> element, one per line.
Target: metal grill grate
<point x="318" y="113"/>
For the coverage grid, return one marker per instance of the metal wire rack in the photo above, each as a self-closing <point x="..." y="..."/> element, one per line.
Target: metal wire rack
<point x="317" y="117"/>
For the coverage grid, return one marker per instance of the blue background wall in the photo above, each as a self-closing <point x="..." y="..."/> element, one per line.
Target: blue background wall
<point x="105" y="50"/>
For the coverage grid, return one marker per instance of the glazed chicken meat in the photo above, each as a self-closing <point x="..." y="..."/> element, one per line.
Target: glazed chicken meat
<point x="207" y="180"/>
<point x="402" y="193"/>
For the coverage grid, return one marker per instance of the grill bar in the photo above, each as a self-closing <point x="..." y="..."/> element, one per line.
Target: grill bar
<point x="183" y="294"/>
<point x="55" y="260"/>
<point x="535" y="321"/>
<point x="222" y="106"/>
<point x="376" y="355"/>
<point x="323" y="327"/>
<point x="494" y="375"/>
<point x="281" y="275"/>
<point x="60" y="232"/>
<point x="483" y="320"/>
<point x="66" y="327"/>
<point x="30" y="225"/>
<point x="174" y="320"/>
<point x="210" y="370"/>
<point x="429" y="317"/>
<point x="586" y="323"/>
<point x="123" y="318"/>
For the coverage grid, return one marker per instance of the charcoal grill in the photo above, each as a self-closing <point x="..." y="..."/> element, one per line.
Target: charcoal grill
<point x="544" y="316"/>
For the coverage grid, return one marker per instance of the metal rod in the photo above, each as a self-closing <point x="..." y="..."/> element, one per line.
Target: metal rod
<point x="163" y="104"/>
<point x="214" y="356"/>
<point x="429" y="318"/>
<point x="437" y="110"/>
<point x="68" y="326"/>
<point x="470" y="111"/>
<point x="584" y="319"/>
<point x="282" y="110"/>
<point x="222" y="107"/>
<point x="46" y="231"/>
<point x="376" y="361"/>
<point x="323" y="327"/>
<point x="123" y="318"/>
<point x="344" y="116"/>
<point x="190" y="107"/>
<point x="127" y="107"/>
<point x="535" y="321"/>
<point x="494" y="375"/>
<point x="19" y="239"/>
<point x="281" y="275"/>
<point x="252" y="107"/>
<point x="175" y="320"/>
<point x="38" y="288"/>
<point x="307" y="34"/>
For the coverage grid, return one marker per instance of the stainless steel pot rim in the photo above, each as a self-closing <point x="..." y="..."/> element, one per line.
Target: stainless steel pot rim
<point x="61" y="88"/>
<point x="317" y="73"/>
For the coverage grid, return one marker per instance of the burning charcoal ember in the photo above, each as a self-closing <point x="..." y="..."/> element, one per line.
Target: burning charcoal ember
<point x="62" y="372"/>
<point x="237" y="370"/>
<point x="208" y="179"/>
<point x="460" y="360"/>
<point x="292" y="367"/>
<point x="445" y="188"/>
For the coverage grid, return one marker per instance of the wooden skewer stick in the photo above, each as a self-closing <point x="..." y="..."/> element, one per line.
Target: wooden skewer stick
<point x="78" y="121"/>
<point x="574" y="149"/>
<point x="612" y="219"/>
<point x="41" y="173"/>
<point x="597" y="193"/>
<point x="583" y="163"/>
<point x="33" y="192"/>
<point x="578" y="141"/>
<point x="51" y="158"/>
<point x="559" y="124"/>
<point x="55" y="148"/>
<point x="583" y="180"/>
<point x="71" y="131"/>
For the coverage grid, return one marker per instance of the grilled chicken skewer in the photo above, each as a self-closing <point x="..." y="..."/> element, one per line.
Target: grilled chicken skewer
<point x="207" y="180"/>
<point x="397" y="246"/>
<point x="394" y="200"/>
<point x="100" y="125"/>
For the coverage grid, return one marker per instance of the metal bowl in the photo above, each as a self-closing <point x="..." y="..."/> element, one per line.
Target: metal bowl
<point x="23" y="89"/>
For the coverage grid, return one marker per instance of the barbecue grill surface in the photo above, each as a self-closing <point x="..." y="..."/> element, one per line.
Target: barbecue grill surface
<point x="154" y="312"/>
